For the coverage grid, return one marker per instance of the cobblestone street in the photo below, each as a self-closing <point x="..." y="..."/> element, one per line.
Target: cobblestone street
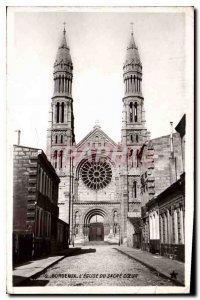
<point x="97" y="265"/>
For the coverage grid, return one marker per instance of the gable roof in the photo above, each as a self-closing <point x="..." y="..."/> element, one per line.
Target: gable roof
<point x="93" y="133"/>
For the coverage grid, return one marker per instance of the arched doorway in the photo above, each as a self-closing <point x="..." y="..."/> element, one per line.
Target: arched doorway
<point x="96" y="228"/>
<point x="96" y="225"/>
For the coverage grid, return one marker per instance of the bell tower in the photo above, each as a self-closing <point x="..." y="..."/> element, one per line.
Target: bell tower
<point x="133" y="128"/>
<point x="134" y="135"/>
<point x="60" y="133"/>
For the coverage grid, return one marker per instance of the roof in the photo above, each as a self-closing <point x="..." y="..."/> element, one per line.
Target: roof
<point x="180" y="128"/>
<point x="41" y="155"/>
<point x="63" y="54"/>
<point x="20" y="146"/>
<point x="163" y="137"/>
<point x="176" y="186"/>
<point x="132" y="54"/>
<point x="96" y="130"/>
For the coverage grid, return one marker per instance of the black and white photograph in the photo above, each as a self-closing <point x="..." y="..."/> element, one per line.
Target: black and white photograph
<point x="100" y="129"/>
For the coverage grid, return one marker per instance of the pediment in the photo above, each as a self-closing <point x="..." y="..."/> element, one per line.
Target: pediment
<point x="96" y="137"/>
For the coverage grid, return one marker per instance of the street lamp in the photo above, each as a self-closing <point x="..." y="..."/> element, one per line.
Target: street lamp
<point x="119" y="236"/>
<point x="73" y="234"/>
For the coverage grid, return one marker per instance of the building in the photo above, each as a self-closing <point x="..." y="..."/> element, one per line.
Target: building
<point x="100" y="179"/>
<point x="108" y="189"/>
<point x="163" y="211"/>
<point x="36" y="227"/>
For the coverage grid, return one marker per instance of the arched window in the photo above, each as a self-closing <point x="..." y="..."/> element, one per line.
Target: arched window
<point x="55" y="158"/>
<point x="131" y="87"/>
<point x="137" y="158"/>
<point x="137" y="138"/>
<point x="61" y="159"/>
<point x="61" y="139"/>
<point x="62" y="84"/>
<point x="135" y="111"/>
<point x="59" y="84"/>
<point x="135" y="189"/>
<point x="131" y="138"/>
<point x="57" y="112"/>
<point x="131" y="111"/>
<point x="56" y="139"/>
<point x="70" y="86"/>
<point x="65" y="84"/>
<point x="136" y="84"/>
<point x="62" y="112"/>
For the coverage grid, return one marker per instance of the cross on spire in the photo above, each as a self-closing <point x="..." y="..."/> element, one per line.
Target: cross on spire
<point x="132" y="27"/>
<point x="97" y="124"/>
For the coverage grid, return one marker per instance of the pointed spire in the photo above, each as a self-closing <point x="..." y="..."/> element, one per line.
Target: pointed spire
<point x="132" y="50"/>
<point x="64" y="31"/>
<point x="63" y="43"/>
<point x="132" y="44"/>
<point x="63" y="54"/>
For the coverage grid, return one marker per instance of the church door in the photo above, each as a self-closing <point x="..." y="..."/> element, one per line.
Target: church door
<point x="96" y="232"/>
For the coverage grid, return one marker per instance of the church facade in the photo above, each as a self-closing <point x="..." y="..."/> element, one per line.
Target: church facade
<point x="100" y="182"/>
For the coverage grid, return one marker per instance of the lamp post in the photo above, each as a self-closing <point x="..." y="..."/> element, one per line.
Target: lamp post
<point x="73" y="235"/>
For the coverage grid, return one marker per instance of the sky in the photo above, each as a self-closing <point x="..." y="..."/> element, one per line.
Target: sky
<point x="97" y="42"/>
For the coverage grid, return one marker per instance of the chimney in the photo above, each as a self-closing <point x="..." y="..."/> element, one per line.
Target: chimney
<point x="18" y="136"/>
<point x="171" y="140"/>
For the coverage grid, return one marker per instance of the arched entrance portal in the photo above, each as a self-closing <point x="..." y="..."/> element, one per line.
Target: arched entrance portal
<point x="96" y="226"/>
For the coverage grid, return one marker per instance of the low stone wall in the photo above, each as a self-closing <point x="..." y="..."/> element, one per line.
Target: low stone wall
<point x="173" y="251"/>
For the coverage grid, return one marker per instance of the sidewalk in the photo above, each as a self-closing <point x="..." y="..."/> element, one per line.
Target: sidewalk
<point x="164" y="266"/>
<point x="32" y="268"/>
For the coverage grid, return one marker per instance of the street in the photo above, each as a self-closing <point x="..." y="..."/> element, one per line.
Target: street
<point x="99" y="265"/>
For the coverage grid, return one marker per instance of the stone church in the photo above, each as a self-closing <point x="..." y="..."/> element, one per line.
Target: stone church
<point x="99" y="194"/>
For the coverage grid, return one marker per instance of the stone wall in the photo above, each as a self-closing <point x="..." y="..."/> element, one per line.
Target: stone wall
<point x="164" y="167"/>
<point x="24" y="188"/>
<point x="130" y="232"/>
<point x="35" y="210"/>
<point x="64" y="198"/>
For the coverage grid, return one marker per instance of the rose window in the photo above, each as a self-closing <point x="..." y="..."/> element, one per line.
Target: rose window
<point x="96" y="175"/>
